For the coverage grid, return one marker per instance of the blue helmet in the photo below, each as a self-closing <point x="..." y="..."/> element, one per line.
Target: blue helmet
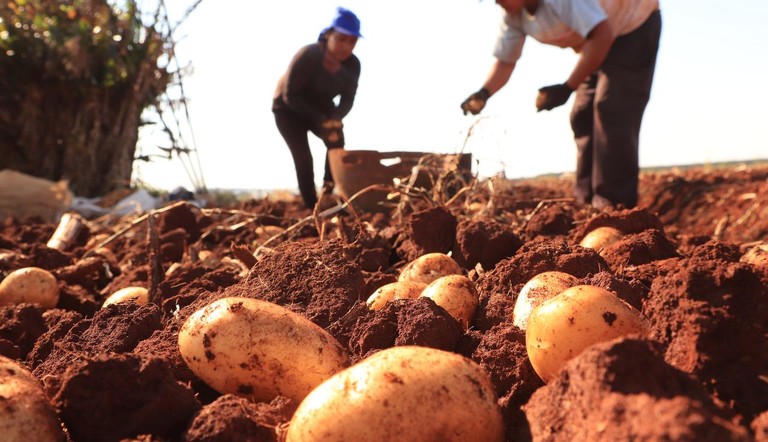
<point x="346" y="22"/>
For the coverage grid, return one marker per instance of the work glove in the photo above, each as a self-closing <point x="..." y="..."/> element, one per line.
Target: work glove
<point x="330" y="131"/>
<point x="553" y="96"/>
<point x="476" y="102"/>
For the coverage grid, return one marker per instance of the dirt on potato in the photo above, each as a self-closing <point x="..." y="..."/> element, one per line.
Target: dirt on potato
<point x="701" y="374"/>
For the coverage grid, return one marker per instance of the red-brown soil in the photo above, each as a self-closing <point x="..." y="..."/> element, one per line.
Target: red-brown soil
<point x="701" y="375"/>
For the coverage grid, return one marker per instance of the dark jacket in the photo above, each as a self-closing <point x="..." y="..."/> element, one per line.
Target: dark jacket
<point x="308" y="89"/>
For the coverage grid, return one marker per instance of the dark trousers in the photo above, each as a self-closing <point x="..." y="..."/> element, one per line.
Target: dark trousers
<point x="295" y="131"/>
<point x="606" y="117"/>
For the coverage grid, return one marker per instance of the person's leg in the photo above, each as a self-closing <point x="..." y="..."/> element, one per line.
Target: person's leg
<point x="327" y="175"/>
<point x="622" y="93"/>
<point x="294" y="132"/>
<point x="582" y="123"/>
<point x="328" y="181"/>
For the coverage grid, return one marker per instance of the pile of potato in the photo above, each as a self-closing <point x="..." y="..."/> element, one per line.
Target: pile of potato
<point x="260" y="350"/>
<point x="435" y="276"/>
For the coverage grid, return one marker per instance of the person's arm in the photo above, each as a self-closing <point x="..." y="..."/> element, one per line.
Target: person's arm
<point x="499" y="75"/>
<point x="592" y="54"/>
<point x="596" y="47"/>
<point x="346" y="101"/>
<point x="347" y="98"/>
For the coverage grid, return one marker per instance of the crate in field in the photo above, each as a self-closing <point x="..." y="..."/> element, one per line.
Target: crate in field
<point x="356" y="170"/>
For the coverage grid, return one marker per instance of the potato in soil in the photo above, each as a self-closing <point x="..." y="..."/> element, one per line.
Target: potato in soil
<point x="392" y="291"/>
<point x="457" y="295"/>
<point x="429" y="267"/>
<point x="25" y="412"/>
<point x="538" y="289"/>
<point x="565" y="325"/>
<point x="30" y="285"/>
<point x="406" y="393"/>
<point x="258" y="349"/>
<point x="601" y="238"/>
<point x="139" y="295"/>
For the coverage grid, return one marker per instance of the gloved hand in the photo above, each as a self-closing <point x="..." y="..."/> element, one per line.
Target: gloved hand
<point x="330" y="131"/>
<point x="476" y="102"/>
<point x="553" y="96"/>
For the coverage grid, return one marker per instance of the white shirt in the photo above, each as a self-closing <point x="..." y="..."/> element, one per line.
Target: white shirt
<point x="566" y="23"/>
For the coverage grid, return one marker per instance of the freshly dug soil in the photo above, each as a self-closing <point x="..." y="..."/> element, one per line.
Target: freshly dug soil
<point x="701" y="374"/>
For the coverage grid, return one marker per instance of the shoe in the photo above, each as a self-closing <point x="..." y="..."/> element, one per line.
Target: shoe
<point x="601" y="202"/>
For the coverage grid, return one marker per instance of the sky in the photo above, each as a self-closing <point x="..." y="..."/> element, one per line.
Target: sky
<point x="421" y="59"/>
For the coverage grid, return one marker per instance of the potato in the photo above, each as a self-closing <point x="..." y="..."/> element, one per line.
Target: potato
<point x="601" y="238"/>
<point x="406" y="393"/>
<point x="457" y="295"/>
<point x="30" y="285"/>
<point x="537" y="290"/>
<point x="427" y="268"/>
<point x="140" y="295"/>
<point x="263" y="233"/>
<point x="394" y="290"/>
<point x="11" y="369"/>
<point x="757" y="256"/>
<point x="172" y="268"/>
<point x="258" y="350"/>
<point x="208" y="259"/>
<point x="25" y="412"/>
<point x="561" y="327"/>
<point x="107" y="254"/>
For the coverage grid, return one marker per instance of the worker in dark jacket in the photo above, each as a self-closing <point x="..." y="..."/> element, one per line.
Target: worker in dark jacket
<point x="304" y="99"/>
<point x="617" y="41"/>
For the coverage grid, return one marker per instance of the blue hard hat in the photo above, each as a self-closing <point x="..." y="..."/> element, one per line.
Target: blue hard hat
<point x="346" y="22"/>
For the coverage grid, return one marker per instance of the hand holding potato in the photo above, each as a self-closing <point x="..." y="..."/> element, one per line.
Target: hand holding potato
<point x="475" y="103"/>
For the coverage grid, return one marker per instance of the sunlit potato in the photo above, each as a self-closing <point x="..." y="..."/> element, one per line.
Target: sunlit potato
<point x="601" y="238"/>
<point x="30" y="285"/>
<point x="757" y="256"/>
<point x="563" y="326"/>
<point x="139" y="295"/>
<point x="258" y="350"/>
<point x="408" y="394"/>
<point x="429" y="267"/>
<point x="209" y="259"/>
<point x="25" y="412"/>
<point x="538" y="289"/>
<point x="264" y="233"/>
<point x="457" y="295"/>
<point x="394" y="290"/>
